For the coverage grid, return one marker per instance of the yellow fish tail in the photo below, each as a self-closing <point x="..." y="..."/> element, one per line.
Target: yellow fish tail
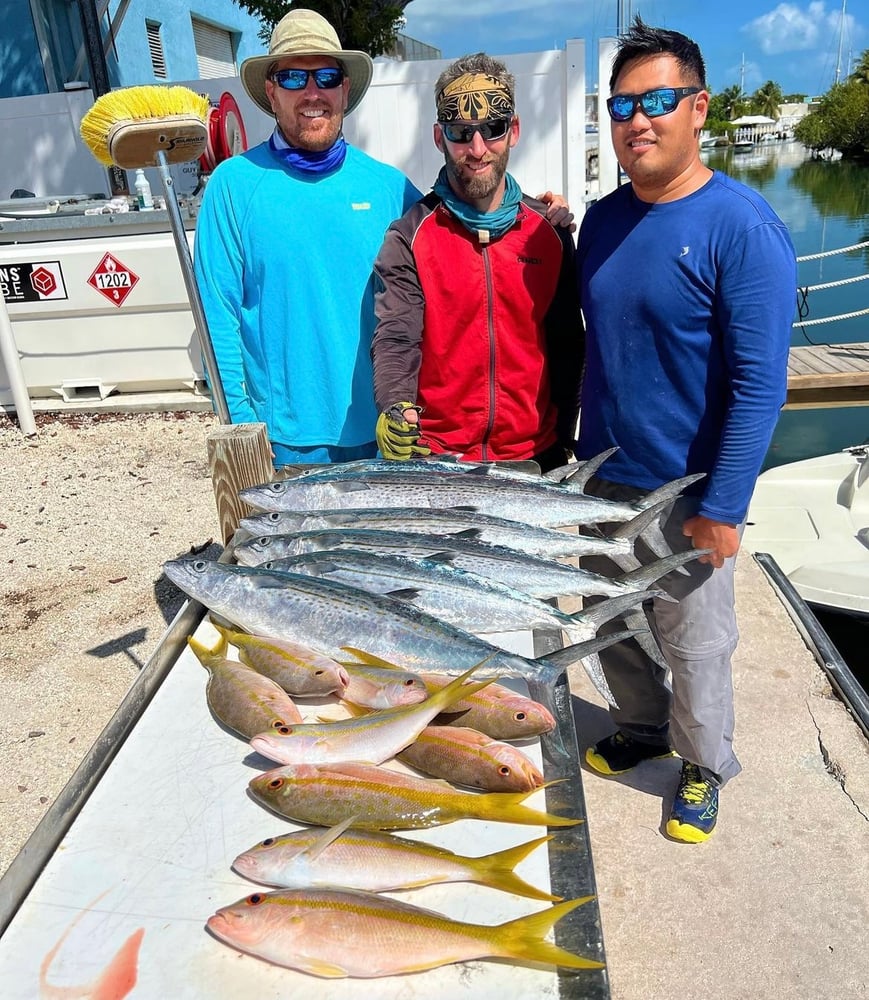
<point x="508" y="808"/>
<point x="496" y="870"/>
<point x="523" y="938"/>
<point x="206" y="655"/>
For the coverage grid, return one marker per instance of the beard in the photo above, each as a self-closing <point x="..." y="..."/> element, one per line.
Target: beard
<point x="472" y="187"/>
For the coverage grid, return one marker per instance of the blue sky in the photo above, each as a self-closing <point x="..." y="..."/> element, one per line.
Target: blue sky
<point x="795" y="44"/>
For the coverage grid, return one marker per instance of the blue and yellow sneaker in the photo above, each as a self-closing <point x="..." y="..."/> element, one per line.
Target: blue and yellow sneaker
<point x="620" y="752"/>
<point x="695" y="807"/>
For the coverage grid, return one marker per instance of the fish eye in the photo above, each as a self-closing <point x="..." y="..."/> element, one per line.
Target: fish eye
<point x="277" y="724"/>
<point x="274" y="517"/>
<point x="255" y="899"/>
<point x="504" y="771"/>
<point x="409" y="682"/>
<point x="267" y="842"/>
<point x="263" y="540"/>
<point x="520" y="716"/>
<point x="199" y="565"/>
<point x="284" y="730"/>
<point x="318" y="673"/>
<point x="276" y="783"/>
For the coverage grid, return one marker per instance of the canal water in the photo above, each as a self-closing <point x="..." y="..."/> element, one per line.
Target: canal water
<point x="826" y="207"/>
<point x="825" y="204"/>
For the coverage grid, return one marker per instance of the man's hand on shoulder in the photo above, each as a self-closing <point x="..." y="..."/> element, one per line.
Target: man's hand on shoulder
<point x="705" y="533"/>
<point x="558" y="211"/>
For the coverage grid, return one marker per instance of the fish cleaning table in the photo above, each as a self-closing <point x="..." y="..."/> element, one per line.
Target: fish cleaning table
<point x="110" y="895"/>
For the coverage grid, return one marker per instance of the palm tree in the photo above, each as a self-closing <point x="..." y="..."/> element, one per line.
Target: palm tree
<point x="861" y="71"/>
<point x="767" y="100"/>
<point x="732" y="100"/>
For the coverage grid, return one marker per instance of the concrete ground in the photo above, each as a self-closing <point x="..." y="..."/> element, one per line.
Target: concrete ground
<point x="776" y="903"/>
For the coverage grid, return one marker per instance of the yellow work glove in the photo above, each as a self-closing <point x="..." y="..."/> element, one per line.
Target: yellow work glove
<point x="396" y="438"/>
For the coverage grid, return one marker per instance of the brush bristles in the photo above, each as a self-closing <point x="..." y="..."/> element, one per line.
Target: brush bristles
<point x="136" y="104"/>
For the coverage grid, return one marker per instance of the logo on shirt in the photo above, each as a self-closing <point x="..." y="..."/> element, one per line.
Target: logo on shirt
<point x="684" y="252"/>
<point x="360" y="206"/>
<point x="530" y="260"/>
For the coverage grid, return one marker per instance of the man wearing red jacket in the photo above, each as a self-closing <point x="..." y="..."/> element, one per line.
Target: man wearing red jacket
<point x="479" y="343"/>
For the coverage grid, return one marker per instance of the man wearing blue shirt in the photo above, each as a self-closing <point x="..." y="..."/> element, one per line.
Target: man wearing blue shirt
<point x="687" y="281"/>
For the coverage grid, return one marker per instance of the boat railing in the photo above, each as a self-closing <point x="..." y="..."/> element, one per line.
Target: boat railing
<point x="804" y="291"/>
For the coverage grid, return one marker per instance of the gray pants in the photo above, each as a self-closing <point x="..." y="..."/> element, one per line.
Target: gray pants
<point x="693" y="708"/>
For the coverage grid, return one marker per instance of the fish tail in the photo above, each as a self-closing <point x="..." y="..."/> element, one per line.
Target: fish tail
<point x="508" y="807"/>
<point x="203" y="653"/>
<point x="457" y="690"/>
<point x="496" y="870"/>
<point x="524" y="938"/>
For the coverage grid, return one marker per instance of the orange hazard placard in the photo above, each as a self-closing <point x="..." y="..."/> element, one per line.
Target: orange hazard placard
<point x="112" y="279"/>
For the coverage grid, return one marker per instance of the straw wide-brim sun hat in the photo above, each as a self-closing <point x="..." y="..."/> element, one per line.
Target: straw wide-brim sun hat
<point x="306" y="33"/>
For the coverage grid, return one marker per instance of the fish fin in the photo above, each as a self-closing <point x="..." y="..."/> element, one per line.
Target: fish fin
<point x="445" y="558"/>
<point x="604" y="611"/>
<point x="508" y="807"/>
<point x="368" y="658"/>
<point x="468" y="534"/>
<point x="404" y="593"/>
<point x="496" y="870"/>
<point x="326" y="970"/>
<point x="348" y="485"/>
<point x="579" y="474"/>
<point x="648" y="574"/>
<point x="457" y="689"/>
<point x="524" y="938"/>
<point x="563" y="658"/>
<point x="669" y="491"/>
<point x="206" y="655"/>
<point x="328" y="837"/>
<point x="632" y="529"/>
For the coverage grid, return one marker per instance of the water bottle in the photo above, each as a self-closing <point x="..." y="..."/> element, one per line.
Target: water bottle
<point x="144" y="198"/>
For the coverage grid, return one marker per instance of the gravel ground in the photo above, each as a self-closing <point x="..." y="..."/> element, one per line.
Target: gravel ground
<point x="90" y="509"/>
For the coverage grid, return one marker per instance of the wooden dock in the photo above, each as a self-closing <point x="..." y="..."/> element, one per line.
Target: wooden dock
<point x="828" y="375"/>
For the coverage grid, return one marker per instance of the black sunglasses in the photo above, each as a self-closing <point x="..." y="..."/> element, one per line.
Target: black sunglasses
<point x="462" y="134"/>
<point x="653" y="103"/>
<point x="326" y="78"/>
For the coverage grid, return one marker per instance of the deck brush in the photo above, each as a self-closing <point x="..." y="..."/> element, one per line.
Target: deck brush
<point x="130" y="127"/>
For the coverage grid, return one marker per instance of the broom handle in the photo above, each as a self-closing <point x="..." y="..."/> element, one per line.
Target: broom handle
<point x="186" y="261"/>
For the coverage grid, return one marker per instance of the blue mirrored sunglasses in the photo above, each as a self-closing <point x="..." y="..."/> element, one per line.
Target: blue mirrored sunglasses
<point x="460" y="133"/>
<point x="326" y="78"/>
<point x="653" y="103"/>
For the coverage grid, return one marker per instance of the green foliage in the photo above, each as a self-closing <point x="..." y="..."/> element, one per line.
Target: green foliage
<point x="368" y="25"/>
<point x="841" y="121"/>
<point x="767" y="100"/>
<point x="861" y="71"/>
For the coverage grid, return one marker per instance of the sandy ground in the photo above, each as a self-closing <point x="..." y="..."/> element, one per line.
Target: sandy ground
<point x="90" y="509"/>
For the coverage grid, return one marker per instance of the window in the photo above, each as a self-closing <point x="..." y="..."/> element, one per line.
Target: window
<point x="155" y="47"/>
<point x="215" y="50"/>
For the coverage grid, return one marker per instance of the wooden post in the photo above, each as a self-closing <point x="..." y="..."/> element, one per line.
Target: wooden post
<point x="239" y="456"/>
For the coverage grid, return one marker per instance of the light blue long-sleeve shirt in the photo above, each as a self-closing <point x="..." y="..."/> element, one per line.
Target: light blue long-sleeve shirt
<point x="283" y="261"/>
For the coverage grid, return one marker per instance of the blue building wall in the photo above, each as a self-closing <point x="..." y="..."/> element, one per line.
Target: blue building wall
<point x="21" y="69"/>
<point x="173" y="16"/>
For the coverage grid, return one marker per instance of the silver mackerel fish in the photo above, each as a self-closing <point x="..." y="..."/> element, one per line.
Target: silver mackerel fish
<point x="330" y="616"/>
<point x="537" y="502"/>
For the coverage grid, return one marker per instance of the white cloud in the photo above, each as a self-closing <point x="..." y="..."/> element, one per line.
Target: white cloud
<point x="789" y="28"/>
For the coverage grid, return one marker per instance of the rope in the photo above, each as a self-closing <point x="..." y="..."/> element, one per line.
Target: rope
<point x="831" y="319"/>
<point x="836" y="284"/>
<point x="830" y="253"/>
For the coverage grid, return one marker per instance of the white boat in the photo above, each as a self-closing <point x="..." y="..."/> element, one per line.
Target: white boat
<point x="812" y="517"/>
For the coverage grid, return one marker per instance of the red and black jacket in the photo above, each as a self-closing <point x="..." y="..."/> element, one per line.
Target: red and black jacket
<point x="487" y="337"/>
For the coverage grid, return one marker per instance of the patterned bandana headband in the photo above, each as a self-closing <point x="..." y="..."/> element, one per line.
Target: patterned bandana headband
<point x="474" y="97"/>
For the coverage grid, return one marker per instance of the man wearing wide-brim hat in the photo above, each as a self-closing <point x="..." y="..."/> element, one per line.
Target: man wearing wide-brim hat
<point x="285" y="241"/>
